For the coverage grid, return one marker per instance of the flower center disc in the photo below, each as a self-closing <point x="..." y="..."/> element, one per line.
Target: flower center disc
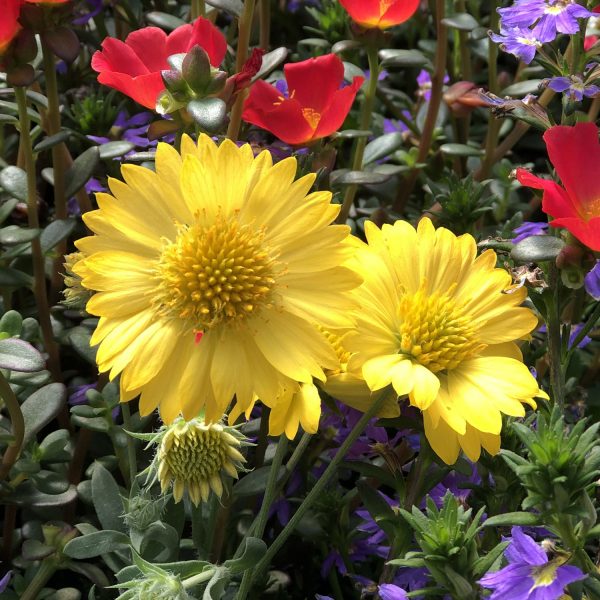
<point x="215" y="274"/>
<point x="435" y="331"/>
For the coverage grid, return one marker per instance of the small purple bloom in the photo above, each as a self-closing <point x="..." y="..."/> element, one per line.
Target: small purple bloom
<point x="424" y="83"/>
<point x="529" y="575"/>
<point x="457" y="484"/>
<point x="5" y="581"/>
<point x="574" y="331"/>
<point x="520" y="41"/>
<point x="573" y="86"/>
<point x="87" y="10"/>
<point x="79" y="396"/>
<point x="592" y="282"/>
<point x="529" y="228"/>
<point x="389" y="591"/>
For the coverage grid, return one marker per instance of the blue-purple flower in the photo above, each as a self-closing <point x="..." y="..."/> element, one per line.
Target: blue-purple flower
<point x="529" y="228"/>
<point x="389" y="591"/>
<point x="592" y="281"/>
<point x="5" y="581"/>
<point x="529" y="574"/>
<point x="520" y="41"/>
<point x="573" y="86"/>
<point x="424" y="83"/>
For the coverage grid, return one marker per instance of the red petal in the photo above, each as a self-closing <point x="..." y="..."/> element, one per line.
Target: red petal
<point x="339" y="107"/>
<point x="149" y="44"/>
<point x="206" y="35"/>
<point x="588" y="233"/>
<point x="555" y="202"/>
<point x="284" y="120"/>
<point x="364" y="12"/>
<point x="118" y="57"/>
<point x="313" y="82"/>
<point x="575" y="154"/>
<point x="144" y="89"/>
<point x="397" y="13"/>
<point x="9" y="25"/>
<point x="178" y="40"/>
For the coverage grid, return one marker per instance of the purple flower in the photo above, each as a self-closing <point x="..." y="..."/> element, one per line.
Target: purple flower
<point x="456" y="484"/>
<point x="79" y="396"/>
<point x="574" y="331"/>
<point x="592" y="281"/>
<point x="389" y="591"/>
<point x="529" y="228"/>
<point x="573" y="86"/>
<point x="522" y="42"/>
<point x="87" y="10"/>
<point x="529" y="575"/>
<point x="549" y="17"/>
<point x="5" y="581"/>
<point x="424" y="83"/>
<point x="130" y="129"/>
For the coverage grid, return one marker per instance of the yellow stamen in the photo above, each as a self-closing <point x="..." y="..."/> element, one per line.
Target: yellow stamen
<point x="312" y="117"/>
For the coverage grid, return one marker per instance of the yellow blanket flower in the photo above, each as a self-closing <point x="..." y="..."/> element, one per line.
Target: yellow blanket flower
<point x="436" y="323"/>
<point x="209" y="274"/>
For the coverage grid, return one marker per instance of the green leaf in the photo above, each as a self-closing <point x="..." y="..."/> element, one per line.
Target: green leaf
<point x="233" y="7"/>
<point x="460" y="150"/>
<point x="461" y="21"/>
<point x="107" y="499"/>
<point x="79" y="338"/>
<point x="18" y="355"/>
<point x="56" y="232"/>
<point x="482" y="565"/>
<point x="50" y="482"/>
<point x="96" y="543"/>
<point x="164" y="20"/>
<point x="27" y="495"/>
<point x="382" y="146"/>
<point x="217" y="584"/>
<point x="7" y="208"/>
<point x="36" y="550"/>
<point x="13" y="235"/>
<point x="255" y="482"/>
<point x="348" y="134"/>
<point x="160" y="542"/>
<point x="209" y="113"/>
<point x="14" y="181"/>
<point x="11" y="323"/>
<point x="402" y="58"/>
<point x="254" y="549"/>
<point x="114" y="149"/>
<point x="513" y="518"/>
<point x="522" y="88"/>
<point x="41" y="407"/>
<point x="537" y="248"/>
<point x="81" y="170"/>
<point x="53" y="140"/>
<point x="343" y="177"/>
<point x="270" y="61"/>
<point x="13" y="278"/>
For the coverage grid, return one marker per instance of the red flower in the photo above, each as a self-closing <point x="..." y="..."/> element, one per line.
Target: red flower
<point x="133" y="67"/>
<point x="380" y="13"/>
<point x="47" y="1"/>
<point x="9" y="24"/>
<point x="575" y="154"/>
<point x="316" y="106"/>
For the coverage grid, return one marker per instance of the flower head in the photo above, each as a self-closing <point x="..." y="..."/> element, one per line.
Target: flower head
<point x="529" y="574"/>
<point x="210" y="275"/>
<point x="575" y="154"/>
<point x="435" y="324"/>
<point x="134" y="66"/>
<point x="574" y="87"/>
<point x="380" y="14"/>
<point x="316" y="104"/>
<point x="193" y="456"/>
<point x="520" y="41"/>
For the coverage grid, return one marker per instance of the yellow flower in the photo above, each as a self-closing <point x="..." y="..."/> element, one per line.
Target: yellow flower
<point x="436" y="324"/>
<point x="193" y="456"/>
<point x="210" y="273"/>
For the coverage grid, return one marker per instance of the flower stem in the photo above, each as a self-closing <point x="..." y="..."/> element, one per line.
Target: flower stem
<point x="198" y="9"/>
<point x="557" y="379"/>
<point x="17" y="424"/>
<point x="264" y="24"/>
<point x="263" y="515"/>
<point x="39" y="272"/>
<point x="243" y="44"/>
<point x="437" y="86"/>
<point x="198" y="579"/>
<point x="365" y="122"/>
<point x="58" y="164"/>
<point x="318" y="488"/>
<point x="587" y="327"/>
<point x="131" y="455"/>
<point x="42" y="576"/>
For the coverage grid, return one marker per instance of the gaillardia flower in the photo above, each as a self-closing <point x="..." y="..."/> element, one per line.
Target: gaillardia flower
<point x="436" y="324"/>
<point x="380" y="14"/>
<point x="134" y="66"/>
<point x="210" y="274"/>
<point x="193" y="456"/>
<point x="575" y="154"/>
<point x="316" y="104"/>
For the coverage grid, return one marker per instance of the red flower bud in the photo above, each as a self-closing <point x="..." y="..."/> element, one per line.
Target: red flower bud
<point x="380" y="14"/>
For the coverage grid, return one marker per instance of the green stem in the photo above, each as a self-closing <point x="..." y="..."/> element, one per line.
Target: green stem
<point x="39" y="271"/>
<point x="243" y="44"/>
<point x="131" y="454"/>
<point x="365" y="121"/>
<point x="46" y="570"/>
<point x="264" y="24"/>
<point x="587" y="327"/>
<point x="263" y="438"/>
<point x="437" y="87"/>
<point x="557" y="380"/>
<point x="17" y="424"/>
<point x="198" y="579"/>
<point x="263" y="515"/>
<point x="58" y="164"/>
<point x="198" y="9"/>
<point x="319" y="486"/>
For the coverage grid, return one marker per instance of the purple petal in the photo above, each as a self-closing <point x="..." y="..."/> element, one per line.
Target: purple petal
<point x="523" y="549"/>
<point x="389" y="591"/>
<point x="592" y="282"/>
